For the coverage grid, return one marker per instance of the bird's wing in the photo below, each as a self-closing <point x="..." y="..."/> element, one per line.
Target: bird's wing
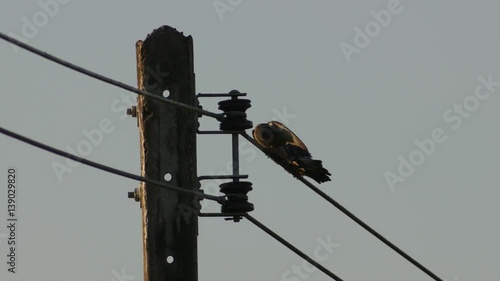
<point x="294" y="140"/>
<point x="282" y="156"/>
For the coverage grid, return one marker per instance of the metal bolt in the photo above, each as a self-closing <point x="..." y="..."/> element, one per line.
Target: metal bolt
<point x="136" y="194"/>
<point x="132" y="111"/>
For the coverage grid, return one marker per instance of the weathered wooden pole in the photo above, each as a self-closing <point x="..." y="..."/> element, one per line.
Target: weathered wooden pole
<point x="168" y="152"/>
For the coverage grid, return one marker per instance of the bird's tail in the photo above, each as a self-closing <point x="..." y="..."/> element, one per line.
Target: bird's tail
<point x="315" y="170"/>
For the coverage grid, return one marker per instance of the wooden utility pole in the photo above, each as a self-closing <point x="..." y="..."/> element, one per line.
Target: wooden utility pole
<point x="168" y="152"/>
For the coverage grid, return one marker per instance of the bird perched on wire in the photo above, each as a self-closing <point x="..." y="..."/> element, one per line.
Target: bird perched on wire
<point x="286" y="149"/>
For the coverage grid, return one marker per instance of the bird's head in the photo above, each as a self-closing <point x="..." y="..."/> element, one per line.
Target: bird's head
<point x="263" y="134"/>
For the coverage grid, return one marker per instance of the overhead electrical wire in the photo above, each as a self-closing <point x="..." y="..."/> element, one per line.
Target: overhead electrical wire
<point x="278" y="238"/>
<point x="292" y="248"/>
<point x="356" y="219"/>
<point x="108" y="80"/>
<point x="219" y="199"/>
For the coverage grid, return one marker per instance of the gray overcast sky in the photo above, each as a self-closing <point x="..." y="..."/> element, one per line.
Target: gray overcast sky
<point x="399" y="99"/>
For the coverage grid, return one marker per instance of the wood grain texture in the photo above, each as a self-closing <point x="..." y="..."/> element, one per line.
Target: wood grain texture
<point x="168" y="145"/>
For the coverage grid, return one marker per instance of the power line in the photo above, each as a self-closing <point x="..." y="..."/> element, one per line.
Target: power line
<point x="277" y="237"/>
<point x="355" y="218"/>
<point x="292" y="248"/>
<point x="105" y="79"/>
<point x="369" y="229"/>
<point x="219" y="199"/>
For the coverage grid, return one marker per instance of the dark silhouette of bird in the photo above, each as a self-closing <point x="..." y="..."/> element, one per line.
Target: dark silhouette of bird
<point x="286" y="149"/>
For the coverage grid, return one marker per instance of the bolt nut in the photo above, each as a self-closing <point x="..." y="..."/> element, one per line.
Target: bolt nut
<point x="136" y="195"/>
<point x="132" y="111"/>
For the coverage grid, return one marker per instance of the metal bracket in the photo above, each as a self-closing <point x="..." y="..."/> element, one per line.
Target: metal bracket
<point x="235" y="123"/>
<point x="221" y="177"/>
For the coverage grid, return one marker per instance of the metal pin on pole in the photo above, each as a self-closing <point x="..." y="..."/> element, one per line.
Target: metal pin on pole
<point x="236" y="158"/>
